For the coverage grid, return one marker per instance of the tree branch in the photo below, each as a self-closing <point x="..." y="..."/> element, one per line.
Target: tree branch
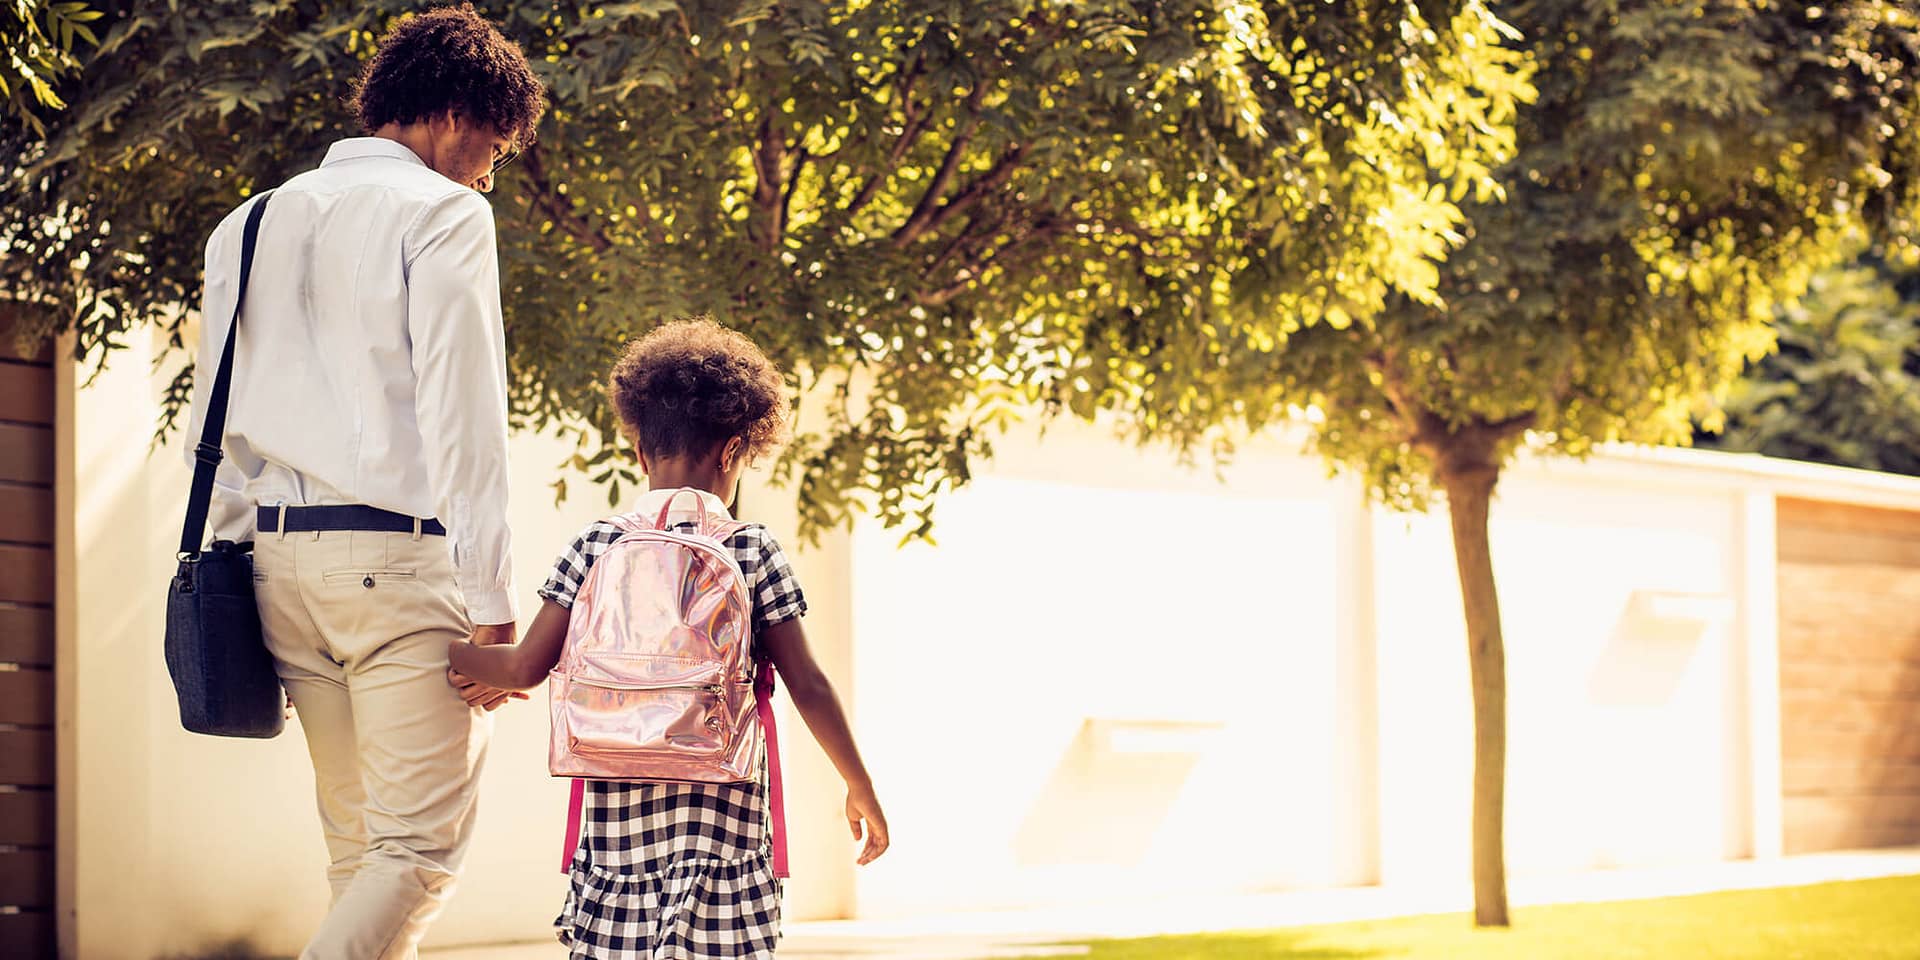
<point x="1425" y="429"/>
<point x="918" y="221"/>
<point x="800" y="160"/>
<point x="1043" y="229"/>
<point x="968" y="237"/>
<point x="768" y="197"/>
<point x="995" y="178"/>
<point x="914" y="123"/>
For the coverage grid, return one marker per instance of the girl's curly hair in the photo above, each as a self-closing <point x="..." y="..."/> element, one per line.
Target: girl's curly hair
<point x="450" y="60"/>
<point x="691" y="385"/>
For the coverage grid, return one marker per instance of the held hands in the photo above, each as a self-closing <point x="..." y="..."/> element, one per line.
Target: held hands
<point x="475" y="693"/>
<point x="478" y="694"/>
<point x="863" y="805"/>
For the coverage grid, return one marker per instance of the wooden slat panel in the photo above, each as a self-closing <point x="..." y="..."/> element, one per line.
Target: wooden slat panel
<point x="26" y="393"/>
<point x="1891" y="746"/>
<point x="26" y="514"/>
<point x="26" y="818"/>
<point x="1884" y="809"/>
<point x="27" y="934"/>
<point x="1812" y="777"/>
<point x="1834" y="594"/>
<point x="26" y="453"/>
<point x="26" y="574"/>
<point x="26" y="696"/>
<point x="1849" y="675"/>
<point x="1842" y="547"/>
<point x="26" y="758"/>
<point x="1808" y="836"/>
<point x="26" y="635"/>
<point x="1860" y="610"/>
<point x="1896" y="814"/>
<point x="26" y="878"/>
<point x="1820" y="709"/>
<point x="1845" y="676"/>
<point x="1800" y="517"/>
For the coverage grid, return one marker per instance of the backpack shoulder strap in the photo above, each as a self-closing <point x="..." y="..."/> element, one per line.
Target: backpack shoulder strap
<point x="721" y="529"/>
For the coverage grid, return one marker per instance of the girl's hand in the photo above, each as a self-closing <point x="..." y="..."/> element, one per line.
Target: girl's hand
<point x="475" y="693"/>
<point x="863" y="805"/>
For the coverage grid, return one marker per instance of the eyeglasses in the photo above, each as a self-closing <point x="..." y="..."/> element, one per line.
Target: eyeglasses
<point x="503" y="158"/>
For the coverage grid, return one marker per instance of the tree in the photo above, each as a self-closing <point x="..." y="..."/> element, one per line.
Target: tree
<point x="1684" y="169"/>
<point x="1844" y="385"/>
<point x="928" y="206"/>
<point x="37" y="55"/>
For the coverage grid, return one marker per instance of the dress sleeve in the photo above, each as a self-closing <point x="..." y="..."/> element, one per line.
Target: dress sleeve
<point x="777" y="595"/>
<point x="570" y="571"/>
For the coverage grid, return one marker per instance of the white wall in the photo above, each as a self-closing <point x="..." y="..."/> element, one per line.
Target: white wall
<point x="1111" y="676"/>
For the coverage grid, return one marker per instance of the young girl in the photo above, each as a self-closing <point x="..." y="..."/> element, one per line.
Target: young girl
<point x="672" y="870"/>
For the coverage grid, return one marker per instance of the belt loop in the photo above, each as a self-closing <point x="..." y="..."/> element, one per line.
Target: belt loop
<point x="283" y="520"/>
<point x="416" y="528"/>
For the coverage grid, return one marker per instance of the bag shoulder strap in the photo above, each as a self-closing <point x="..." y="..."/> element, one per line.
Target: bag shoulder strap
<point x="207" y="453"/>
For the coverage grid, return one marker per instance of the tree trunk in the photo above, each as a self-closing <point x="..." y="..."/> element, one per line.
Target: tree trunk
<point x="1469" y="476"/>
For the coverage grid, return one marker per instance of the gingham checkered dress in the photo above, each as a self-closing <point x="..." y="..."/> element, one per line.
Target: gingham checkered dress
<point x="671" y="871"/>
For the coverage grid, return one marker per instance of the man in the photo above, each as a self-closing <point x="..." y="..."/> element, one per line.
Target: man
<point x="366" y="457"/>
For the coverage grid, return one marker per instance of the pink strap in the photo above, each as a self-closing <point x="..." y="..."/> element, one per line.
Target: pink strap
<point x="574" y="804"/>
<point x="699" y="505"/>
<point x="763" y="692"/>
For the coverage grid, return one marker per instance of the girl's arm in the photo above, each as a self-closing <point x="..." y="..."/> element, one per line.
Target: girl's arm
<point x="522" y="665"/>
<point x="819" y="706"/>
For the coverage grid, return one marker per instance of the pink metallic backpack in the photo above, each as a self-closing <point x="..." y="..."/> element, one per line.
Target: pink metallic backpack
<point x="656" y="682"/>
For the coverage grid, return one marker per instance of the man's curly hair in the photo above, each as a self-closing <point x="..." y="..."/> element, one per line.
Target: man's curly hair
<point x="450" y="60"/>
<point x="691" y="385"/>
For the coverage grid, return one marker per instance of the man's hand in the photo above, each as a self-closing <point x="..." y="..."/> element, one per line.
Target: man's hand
<point x="478" y="694"/>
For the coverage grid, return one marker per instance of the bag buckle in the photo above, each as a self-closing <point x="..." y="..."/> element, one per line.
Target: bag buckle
<point x="207" y="453"/>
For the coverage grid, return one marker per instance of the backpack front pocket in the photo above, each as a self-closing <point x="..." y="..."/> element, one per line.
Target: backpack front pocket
<point x="647" y="725"/>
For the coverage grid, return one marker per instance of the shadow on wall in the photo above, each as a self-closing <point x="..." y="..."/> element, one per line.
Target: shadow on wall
<point x="1653" y="642"/>
<point x="1111" y="792"/>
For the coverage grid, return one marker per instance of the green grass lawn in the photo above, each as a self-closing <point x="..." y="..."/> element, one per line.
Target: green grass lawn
<point x="1859" y="920"/>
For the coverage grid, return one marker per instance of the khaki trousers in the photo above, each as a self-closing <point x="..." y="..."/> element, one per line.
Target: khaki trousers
<point x="358" y="623"/>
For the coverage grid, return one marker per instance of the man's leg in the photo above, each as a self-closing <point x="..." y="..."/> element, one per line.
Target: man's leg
<point x="420" y="745"/>
<point x="317" y="684"/>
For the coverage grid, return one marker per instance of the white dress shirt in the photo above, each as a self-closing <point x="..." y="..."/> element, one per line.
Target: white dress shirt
<point x="371" y="362"/>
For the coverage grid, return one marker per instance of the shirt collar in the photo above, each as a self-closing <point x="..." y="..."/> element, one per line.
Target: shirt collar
<point x="650" y="503"/>
<point x="356" y="148"/>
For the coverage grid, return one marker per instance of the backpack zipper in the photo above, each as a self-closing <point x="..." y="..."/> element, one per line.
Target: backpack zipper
<point x="718" y="690"/>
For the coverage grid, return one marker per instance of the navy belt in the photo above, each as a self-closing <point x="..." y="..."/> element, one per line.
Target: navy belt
<point x="349" y="516"/>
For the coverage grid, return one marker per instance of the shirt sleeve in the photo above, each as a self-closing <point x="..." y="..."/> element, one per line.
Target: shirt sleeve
<point x="460" y="399"/>
<point x="229" y="514"/>
<point x="776" y="591"/>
